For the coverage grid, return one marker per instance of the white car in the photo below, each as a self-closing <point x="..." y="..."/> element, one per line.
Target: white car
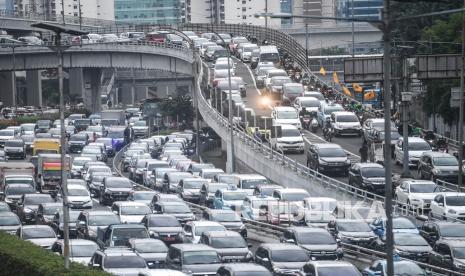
<point x="416" y="193"/>
<point x="79" y="197"/>
<point x="290" y="140"/>
<point x="416" y="147"/>
<point x="286" y="115"/>
<point x="309" y="103"/>
<point x="193" y="230"/>
<point x="448" y="206"/>
<point x="273" y="73"/>
<point x="345" y="122"/>
<point x="7" y="134"/>
<point x="130" y="211"/>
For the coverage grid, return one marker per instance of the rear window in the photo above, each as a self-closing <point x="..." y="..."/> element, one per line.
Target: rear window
<point x="14" y="143"/>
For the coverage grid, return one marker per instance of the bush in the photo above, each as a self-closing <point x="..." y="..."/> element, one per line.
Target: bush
<point x="18" y="257"/>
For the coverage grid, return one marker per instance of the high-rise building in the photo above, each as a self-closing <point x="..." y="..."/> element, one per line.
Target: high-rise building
<point x="7" y="6"/>
<point x="362" y="9"/>
<point x="150" y="11"/>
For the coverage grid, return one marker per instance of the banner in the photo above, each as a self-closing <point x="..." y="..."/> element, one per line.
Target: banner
<point x="322" y="71"/>
<point x="335" y="78"/>
<point x="357" y="87"/>
<point x="346" y="91"/>
<point x="370" y="95"/>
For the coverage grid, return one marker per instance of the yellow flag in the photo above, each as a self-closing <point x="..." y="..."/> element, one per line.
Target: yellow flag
<point x="370" y="95"/>
<point x="346" y="91"/>
<point x="357" y="87"/>
<point x="335" y="78"/>
<point x="322" y="71"/>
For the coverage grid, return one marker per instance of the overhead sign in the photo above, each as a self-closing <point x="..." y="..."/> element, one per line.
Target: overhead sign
<point x="367" y="69"/>
<point x="438" y="66"/>
<point x="455" y="97"/>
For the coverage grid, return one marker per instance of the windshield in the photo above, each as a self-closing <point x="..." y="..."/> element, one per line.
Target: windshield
<point x="143" y="196"/>
<point x="91" y="150"/>
<point x="315" y="238"/>
<point x="105" y="141"/>
<point x="150" y="247"/>
<point x="140" y="123"/>
<point x="14" y="143"/>
<point x="200" y="229"/>
<point x="455" y="200"/>
<point x="234" y="195"/>
<point x="103" y="220"/>
<point x="259" y="203"/>
<point x="9" y="220"/>
<point x="273" y="57"/>
<point x="42" y="124"/>
<point x="287" y="114"/>
<point x="80" y="162"/>
<point x="200" y="257"/>
<point x="119" y="184"/>
<point x="95" y="128"/>
<point x="409" y="240"/>
<point x="84" y="122"/>
<point x="339" y="271"/>
<point x="7" y="132"/>
<point x="226" y="217"/>
<point x="222" y="66"/>
<point x="294" y="89"/>
<point x="228" y="242"/>
<point x="290" y="132"/>
<point x="135" y="210"/>
<point x="28" y="127"/>
<point x="37" y="199"/>
<point x="403" y="223"/>
<point x="418" y="146"/>
<point x="83" y="250"/>
<point x="394" y="135"/>
<point x="192" y="184"/>
<point x="116" y="134"/>
<point x="18" y="180"/>
<point x="445" y="161"/>
<point x="252" y="183"/>
<point x="310" y="103"/>
<point x="407" y="268"/>
<point x="279" y="81"/>
<point x="331" y="109"/>
<point x="176" y="208"/>
<point x="332" y="152"/>
<point x="289" y="256"/>
<point x="373" y="172"/>
<point x="37" y="233"/>
<point x="298" y="196"/>
<point x="19" y="190"/>
<point x="78" y="192"/>
<point x="165" y="221"/>
<point x="124" y="234"/>
<point x="346" y="118"/>
<point x="161" y="173"/>
<point x="423" y="188"/>
<point x="353" y="226"/>
<point x="124" y="262"/>
<point x="49" y="211"/>
<point x="224" y="85"/>
<point x="457" y="230"/>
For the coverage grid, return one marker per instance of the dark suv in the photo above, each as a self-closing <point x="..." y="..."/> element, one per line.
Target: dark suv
<point x="328" y="158"/>
<point x="281" y="259"/>
<point x="433" y="231"/>
<point x="438" y="165"/>
<point x="448" y="254"/>
<point x="114" y="189"/>
<point x="368" y="176"/>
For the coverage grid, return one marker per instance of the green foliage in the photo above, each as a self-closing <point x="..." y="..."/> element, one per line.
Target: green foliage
<point x="449" y="31"/>
<point x="335" y="50"/>
<point x="20" y="257"/>
<point x="179" y="106"/>
<point x="437" y="99"/>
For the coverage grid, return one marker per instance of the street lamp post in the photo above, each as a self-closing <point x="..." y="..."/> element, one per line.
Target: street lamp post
<point x="58" y="48"/>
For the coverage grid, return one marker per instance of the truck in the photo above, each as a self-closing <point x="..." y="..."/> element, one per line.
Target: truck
<point x="45" y="145"/>
<point x="15" y="168"/>
<point x="112" y="117"/>
<point x="118" y="235"/>
<point x="49" y="171"/>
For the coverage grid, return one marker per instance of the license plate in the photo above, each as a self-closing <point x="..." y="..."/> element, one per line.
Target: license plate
<point x="169" y="238"/>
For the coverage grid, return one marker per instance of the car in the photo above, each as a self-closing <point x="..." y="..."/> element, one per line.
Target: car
<point x="193" y="230"/>
<point x="58" y="223"/>
<point x="228" y="218"/>
<point x="328" y="158"/>
<point x="156" y="180"/>
<point x="408" y="245"/>
<point x="9" y="222"/>
<point x="79" y="197"/>
<point x="275" y="86"/>
<point x="448" y="254"/>
<point x="325" y="111"/>
<point x="285" y="115"/>
<point x="40" y="235"/>
<point x="352" y="231"/>
<point x="118" y="261"/>
<point x="321" y="268"/>
<point x="78" y="165"/>
<point x="281" y="259"/>
<point x="433" y="231"/>
<point x="229" y="199"/>
<point x="7" y="134"/>
<point x="180" y="210"/>
<point x="256" y="207"/>
<point x="142" y="196"/>
<point x="345" y="122"/>
<point x="77" y="142"/>
<point x="416" y="193"/>
<point x="400" y="224"/>
<point x="89" y="221"/>
<point x="15" y="149"/>
<point x="140" y="128"/>
<point x="230" y="245"/>
<point x="114" y="189"/>
<point x="13" y="193"/>
<point x="47" y="211"/>
<point x="209" y="173"/>
<point x="163" y="227"/>
<point x="319" y="211"/>
<point x="171" y="181"/>
<point x="265" y="189"/>
<point x="80" y="251"/>
<point x="448" y="206"/>
<point x="130" y="211"/>
<point x="162" y="272"/>
<point x="196" y="168"/>
<point x="96" y="153"/>
<point x="108" y="145"/>
<point x="4" y="207"/>
<point x="96" y="182"/>
<point x="189" y="188"/>
<point x="368" y="176"/>
<point x="287" y="139"/>
<point x="149" y="169"/>
<point x="318" y="242"/>
<point x="234" y="269"/>
<point x="438" y="165"/>
<point x="153" y="251"/>
<point x="208" y="190"/>
<point x="29" y="203"/>
<point x="311" y="104"/>
<point x="273" y="73"/>
<point x="401" y="267"/>
<point x="292" y="90"/>
<point x="164" y="198"/>
<point x="416" y="147"/>
<point x="198" y="259"/>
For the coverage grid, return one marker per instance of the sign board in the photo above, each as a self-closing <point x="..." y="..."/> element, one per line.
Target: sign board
<point x="438" y="66"/>
<point x="367" y="69"/>
<point x="455" y="97"/>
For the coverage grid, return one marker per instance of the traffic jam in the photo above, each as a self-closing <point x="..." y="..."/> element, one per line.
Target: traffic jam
<point x="139" y="204"/>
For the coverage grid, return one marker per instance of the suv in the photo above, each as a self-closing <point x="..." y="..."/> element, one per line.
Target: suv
<point x="328" y="158"/>
<point x="89" y="221"/>
<point x="15" y="148"/>
<point x="433" y="231"/>
<point x="288" y="139"/>
<point x="163" y="227"/>
<point x="318" y="268"/>
<point x="448" y="254"/>
<point x="438" y="165"/>
<point x="228" y="218"/>
<point x="416" y="147"/>
<point x="281" y="259"/>
<point x="199" y="259"/>
<point x="368" y="176"/>
<point x="114" y="189"/>
<point x="286" y="115"/>
<point x="231" y="246"/>
<point x="118" y="261"/>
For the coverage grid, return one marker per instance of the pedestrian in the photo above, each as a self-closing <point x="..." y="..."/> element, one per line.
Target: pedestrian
<point x="364" y="152"/>
<point x="257" y="135"/>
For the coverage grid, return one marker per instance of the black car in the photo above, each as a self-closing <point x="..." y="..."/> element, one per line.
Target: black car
<point x="328" y="158"/>
<point x="58" y="223"/>
<point x="281" y="259"/>
<point x="114" y="189"/>
<point x="231" y="246"/>
<point x="319" y="244"/>
<point x="368" y="176"/>
<point x="352" y="231"/>
<point x="77" y="142"/>
<point x="29" y="203"/>
<point x="163" y="227"/>
<point x="152" y="251"/>
<point x="433" y="231"/>
<point x="81" y="124"/>
<point x="449" y="254"/>
<point x="409" y="245"/>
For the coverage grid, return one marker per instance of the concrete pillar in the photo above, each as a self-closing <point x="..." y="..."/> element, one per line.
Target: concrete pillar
<point x="34" y="88"/>
<point x="91" y="95"/>
<point x="126" y="94"/>
<point x="224" y="145"/>
<point x="76" y="83"/>
<point x="6" y="87"/>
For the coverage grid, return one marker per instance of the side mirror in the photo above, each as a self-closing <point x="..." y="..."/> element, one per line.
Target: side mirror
<point x="176" y="261"/>
<point x="289" y="241"/>
<point x="265" y="260"/>
<point x="441" y="204"/>
<point x="188" y="234"/>
<point x="249" y="245"/>
<point x="115" y="212"/>
<point x="82" y="223"/>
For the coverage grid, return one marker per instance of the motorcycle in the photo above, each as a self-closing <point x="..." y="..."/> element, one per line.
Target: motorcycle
<point x="328" y="134"/>
<point x="305" y="120"/>
<point x="314" y="125"/>
<point x="297" y="78"/>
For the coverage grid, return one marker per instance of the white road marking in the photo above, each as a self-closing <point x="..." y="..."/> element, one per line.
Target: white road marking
<point x="251" y="74"/>
<point x="324" y="141"/>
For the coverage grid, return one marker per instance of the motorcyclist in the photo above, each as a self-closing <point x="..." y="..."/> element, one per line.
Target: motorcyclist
<point x="303" y="112"/>
<point x="441" y="143"/>
<point x="429" y="135"/>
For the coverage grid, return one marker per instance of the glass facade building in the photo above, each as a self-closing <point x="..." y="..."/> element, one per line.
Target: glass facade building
<point x="150" y="11"/>
<point x="363" y="9"/>
<point x="7" y="6"/>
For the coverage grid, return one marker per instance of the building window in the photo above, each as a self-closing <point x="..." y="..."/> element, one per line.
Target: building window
<point x="244" y="9"/>
<point x="244" y="17"/>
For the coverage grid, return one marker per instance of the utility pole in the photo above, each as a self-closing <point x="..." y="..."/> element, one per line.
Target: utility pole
<point x="80" y="15"/>
<point x="63" y="11"/>
<point x="266" y="12"/>
<point x="306" y="43"/>
<point x="387" y="133"/>
<point x="462" y="71"/>
<point x="353" y="30"/>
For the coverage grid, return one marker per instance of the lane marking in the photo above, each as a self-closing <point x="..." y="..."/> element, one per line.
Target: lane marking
<point x="324" y="141"/>
<point x="251" y="74"/>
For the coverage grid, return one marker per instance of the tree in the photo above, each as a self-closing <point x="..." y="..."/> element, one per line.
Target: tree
<point x="179" y="107"/>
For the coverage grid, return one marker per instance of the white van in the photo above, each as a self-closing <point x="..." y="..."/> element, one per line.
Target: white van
<point x="289" y="139"/>
<point x="269" y="53"/>
<point x="248" y="182"/>
<point x="286" y="115"/>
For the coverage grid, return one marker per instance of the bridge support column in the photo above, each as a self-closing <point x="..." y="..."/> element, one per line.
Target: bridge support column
<point x="6" y="87"/>
<point x="92" y="77"/>
<point x="76" y="83"/>
<point x="34" y="88"/>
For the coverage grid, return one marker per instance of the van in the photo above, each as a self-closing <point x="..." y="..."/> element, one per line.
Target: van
<point x="248" y="182"/>
<point x="44" y="145"/>
<point x="287" y="138"/>
<point x="269" y="53"/>
<point x="286" y="115"/>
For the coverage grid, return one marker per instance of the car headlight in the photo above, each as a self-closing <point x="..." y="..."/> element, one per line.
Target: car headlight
<point x="322" y="162"/>
<point x="436" y="171"/>
<point x="451" y="211"/>
<point x="416" y="200"/>
<point x="28" y="210"/>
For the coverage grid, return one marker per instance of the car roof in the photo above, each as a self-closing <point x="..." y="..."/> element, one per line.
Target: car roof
<point x="36" y="226"/>
<point x="452" y="194"/>
<point x="129" y="203"/>
<point x="204" y="223"/>
<point x="336" y="113"/>
<point x="437" y="154"/>
<point x="414" y="139"/>
<point x="77" y="186"/>
<point x="219" y="211"/>
<point x="192" y="247"/>
<point x="327" y="146"/>
<point x="221" y="234"/>
<point x="245" y="267"/>
<point x="291" y="190"/>
<point x="280" y="246"/>
<point x="165" y="203"/>
<point x="284" y="108"/>
<point x="249" y="176"/>
<point x="303" y="229"/>
<point x="98" y="212"/>
<point x="369" y="165"/>
<point x="78" y="242"/>
<point x="287" y="126"/>
<point x="330" y="263"/>
<point x="7" y="214"/>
